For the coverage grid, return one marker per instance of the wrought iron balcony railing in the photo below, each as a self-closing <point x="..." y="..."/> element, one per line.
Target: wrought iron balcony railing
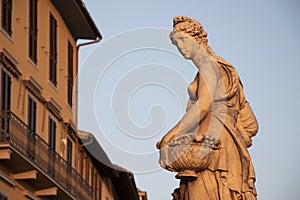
<point x="29" y="144"/>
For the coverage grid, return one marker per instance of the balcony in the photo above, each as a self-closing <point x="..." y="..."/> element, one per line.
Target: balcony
<point x="23" y="151"/>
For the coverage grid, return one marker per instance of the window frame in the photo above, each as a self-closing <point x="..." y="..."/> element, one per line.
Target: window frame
<point x="5" y="92"/>
<point x="5" y="99"/>
<point x="69" y="152"/>
<point x="53" y="50"/>
<point x="33" y="29"/>
<point x="70" y="84"/>
<point x="6" y="16"/>
<point x="31" y="124"/>
<point x="32" y="114"/>
<point x="52" y="128"/>
<point x="3" y="196"/>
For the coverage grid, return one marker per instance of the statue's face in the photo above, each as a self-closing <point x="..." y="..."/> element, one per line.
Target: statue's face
<point x="185" y="44"/>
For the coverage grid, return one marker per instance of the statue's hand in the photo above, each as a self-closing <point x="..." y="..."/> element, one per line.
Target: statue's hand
<point x="158" y="145"/>
<point x="167" y="138"/>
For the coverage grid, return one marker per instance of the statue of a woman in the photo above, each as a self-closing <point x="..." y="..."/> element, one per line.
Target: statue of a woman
<point x="208" y="146"/>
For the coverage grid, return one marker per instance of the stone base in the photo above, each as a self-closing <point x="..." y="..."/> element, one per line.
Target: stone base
<point x="188" y="175"/>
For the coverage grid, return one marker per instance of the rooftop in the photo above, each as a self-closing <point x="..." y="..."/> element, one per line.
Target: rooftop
<point x="122" y="179"/>
<point x="78" y="19"/>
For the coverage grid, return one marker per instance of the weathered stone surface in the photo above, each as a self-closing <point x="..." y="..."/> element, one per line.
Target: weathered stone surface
<point x="208" y="146"/>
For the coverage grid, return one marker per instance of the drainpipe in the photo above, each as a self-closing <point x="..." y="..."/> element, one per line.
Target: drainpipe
<point x="98" y="39"/>
<point x="88" y="43"/>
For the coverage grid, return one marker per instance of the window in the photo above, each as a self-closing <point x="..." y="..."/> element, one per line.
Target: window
<point x="91" y="181"/>
<point x="96" y="186"/>
<point x="31" y="136"/>
<point x="5" y="91"/>
<point x="69" y="160"/>
<point x="87" y="170"/>
<point x="84" y="161"/>
<point x="5" y="102"/>
<point x="53" y="51"/>
<point x="69" y="151"/>
<point x="80" y="163"/>
<point x="90" y="176"/>
<point x="3" y="196"/>
<point x="31" y="114"/>
<point x="70" y="74"/>
<point x="6" y="16"/>
<point x="32" y="51"/>
<point x="52" y="134"/>
<point x="52" y="145"/>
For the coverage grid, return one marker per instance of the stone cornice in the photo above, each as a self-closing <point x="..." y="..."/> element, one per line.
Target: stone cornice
<point x="54" y="108"/>
<point x="33" y="86"/>
<point x="72" y="130"/>
<point x="9" y="63"/>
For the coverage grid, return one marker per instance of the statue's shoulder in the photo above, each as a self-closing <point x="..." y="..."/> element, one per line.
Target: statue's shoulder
<point x="222" y="61"/>
<point x="227" y="67"/>
<point x="230" y="79"/>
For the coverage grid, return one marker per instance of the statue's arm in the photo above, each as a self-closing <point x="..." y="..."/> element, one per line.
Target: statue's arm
<point x="199" y="110"/>
<point x="189" y="105"/>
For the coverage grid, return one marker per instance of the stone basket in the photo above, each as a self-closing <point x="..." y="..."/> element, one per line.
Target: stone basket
<point x="187" y="155"/>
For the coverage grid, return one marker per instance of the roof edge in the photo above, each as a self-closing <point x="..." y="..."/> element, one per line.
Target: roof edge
<point x="83" y="8"/>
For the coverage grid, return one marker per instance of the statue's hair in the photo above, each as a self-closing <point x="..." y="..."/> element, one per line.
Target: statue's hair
<point x="193" y="28"/>
<point x="189" y="26"/>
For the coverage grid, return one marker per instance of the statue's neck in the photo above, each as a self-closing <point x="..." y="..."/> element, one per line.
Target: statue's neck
<point x="203" y="54"/>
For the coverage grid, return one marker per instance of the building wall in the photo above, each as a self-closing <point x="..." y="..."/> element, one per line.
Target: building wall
<point x="11" y="192"/>
<point x="102" y="186"/>
<point x="107" y="190"/>
<point x="16" y="46"/>
<point x="142" y="195"/>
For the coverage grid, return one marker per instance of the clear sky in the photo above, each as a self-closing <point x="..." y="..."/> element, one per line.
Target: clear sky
<point x="133" y="83"/>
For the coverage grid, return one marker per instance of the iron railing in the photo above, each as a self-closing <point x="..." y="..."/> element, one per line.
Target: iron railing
<point x="16" y="133"/>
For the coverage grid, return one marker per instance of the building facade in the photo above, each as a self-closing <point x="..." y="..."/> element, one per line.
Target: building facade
<point x="42" y="154"/>
<point x="109" y="181"/>
<point x="39" y="142"/>
<point x="142" y="195"/>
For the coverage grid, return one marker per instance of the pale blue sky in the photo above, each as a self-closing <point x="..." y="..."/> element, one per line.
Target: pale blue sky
<point x="260" y="38"/>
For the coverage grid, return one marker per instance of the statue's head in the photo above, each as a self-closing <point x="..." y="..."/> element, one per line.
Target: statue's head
<point x="188" y="36"/>
<point x="190" y="27"/>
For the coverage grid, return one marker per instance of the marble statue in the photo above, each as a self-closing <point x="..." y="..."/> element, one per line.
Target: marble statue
<point x="207" y="148"/>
